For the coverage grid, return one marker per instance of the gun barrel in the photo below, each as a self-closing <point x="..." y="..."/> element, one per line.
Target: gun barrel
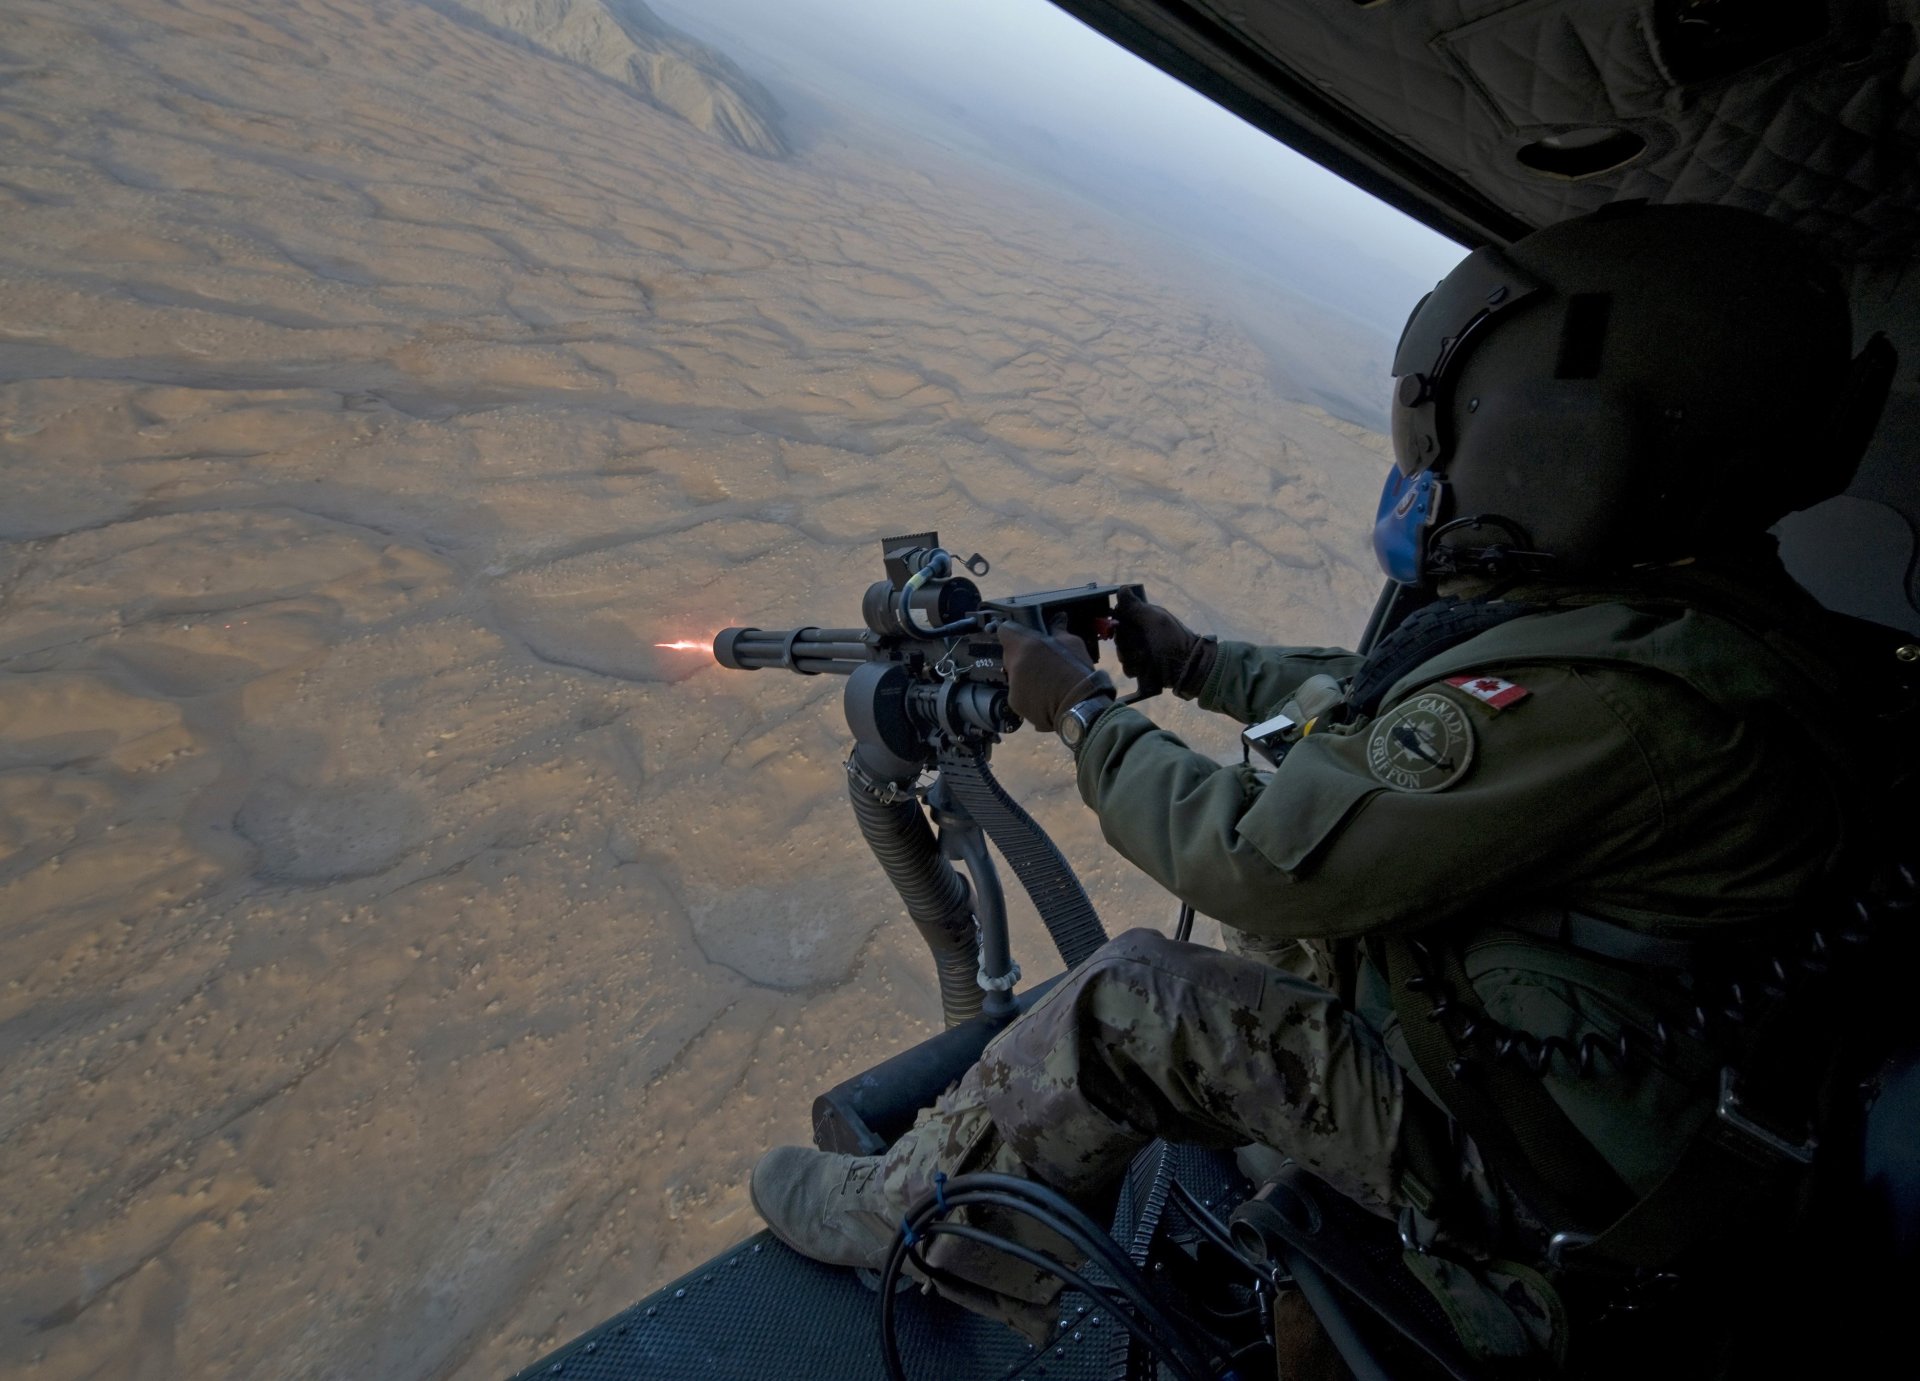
<point x="809" y="651"/>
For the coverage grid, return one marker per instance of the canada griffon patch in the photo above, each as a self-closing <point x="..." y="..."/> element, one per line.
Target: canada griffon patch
<point x="1422" y="744"/>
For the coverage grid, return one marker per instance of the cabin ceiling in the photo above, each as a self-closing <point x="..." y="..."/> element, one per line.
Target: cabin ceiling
<point x="1488" y="118"/>
<point x="1494" y="118"/>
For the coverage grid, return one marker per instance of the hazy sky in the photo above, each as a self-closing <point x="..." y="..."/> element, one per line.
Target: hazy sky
<point x="1031" y="63"/>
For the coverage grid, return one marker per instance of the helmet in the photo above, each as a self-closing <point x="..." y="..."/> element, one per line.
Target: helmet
<point x="1635" y="386"/>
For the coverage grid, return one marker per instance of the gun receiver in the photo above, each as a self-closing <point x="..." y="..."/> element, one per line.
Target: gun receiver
<point x="927" y="666"/>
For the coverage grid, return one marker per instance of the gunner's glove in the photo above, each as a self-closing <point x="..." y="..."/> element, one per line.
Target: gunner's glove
<point x="1048" y="674"/>
<point x="1158" y="650"/>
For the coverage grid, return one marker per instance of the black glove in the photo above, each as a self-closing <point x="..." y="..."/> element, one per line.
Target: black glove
<point x="1158" y="650"/>
<point x="1048" y="674"/>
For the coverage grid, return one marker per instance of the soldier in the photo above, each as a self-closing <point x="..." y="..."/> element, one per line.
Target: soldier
<point x="1494" y="851"/>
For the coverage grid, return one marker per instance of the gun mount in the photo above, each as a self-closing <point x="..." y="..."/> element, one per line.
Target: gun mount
<point x="926" y="699"/>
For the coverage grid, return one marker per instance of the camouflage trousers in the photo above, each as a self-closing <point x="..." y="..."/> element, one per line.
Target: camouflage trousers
<point x="1154" y="1038"/>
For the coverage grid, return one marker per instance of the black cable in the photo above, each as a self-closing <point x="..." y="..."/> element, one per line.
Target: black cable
<point x="1058" y="1215"/>
<point x="1323" y="1297"/>
<point x="1101" y="1249"/>
<point x="1135" y="1291"/>
<point x="1211" y="1227"/>
<point x="1243" y="1360"/>
<point x="1229" y="1317"/>
<point x="1098" y="1241"/>
<point x="889" y="1337"/>
<point x="1049" y="1206"/>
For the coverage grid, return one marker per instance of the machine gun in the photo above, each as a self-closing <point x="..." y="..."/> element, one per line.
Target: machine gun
<point x="926" y="698"/>
<point x="926" y="669"/>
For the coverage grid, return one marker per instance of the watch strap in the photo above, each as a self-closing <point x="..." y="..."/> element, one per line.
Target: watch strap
<point x="1084" y="714"/>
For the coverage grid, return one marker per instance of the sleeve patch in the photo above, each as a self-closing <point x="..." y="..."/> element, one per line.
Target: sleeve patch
<point x="1424" y="743"/>
<point x="1490" y="689"/>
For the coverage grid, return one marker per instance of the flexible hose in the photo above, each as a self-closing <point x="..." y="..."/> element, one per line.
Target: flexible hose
<point x="937" y="898"/>
<point x="1042" y="869"/>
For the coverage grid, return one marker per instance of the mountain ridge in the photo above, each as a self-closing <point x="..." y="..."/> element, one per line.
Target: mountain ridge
<point x="627" y="42"/>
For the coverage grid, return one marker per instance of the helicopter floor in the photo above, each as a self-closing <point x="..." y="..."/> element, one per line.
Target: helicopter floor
<point x="763" y="1311"/>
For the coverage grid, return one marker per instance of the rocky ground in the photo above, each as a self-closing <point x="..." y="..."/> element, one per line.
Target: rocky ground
<point x="405" y="960"/>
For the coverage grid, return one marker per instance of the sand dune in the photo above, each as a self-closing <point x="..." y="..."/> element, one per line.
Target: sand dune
<point x="406" y="961"/>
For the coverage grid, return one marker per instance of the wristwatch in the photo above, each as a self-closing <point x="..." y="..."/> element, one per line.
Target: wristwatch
<point x="1077" y="722"/>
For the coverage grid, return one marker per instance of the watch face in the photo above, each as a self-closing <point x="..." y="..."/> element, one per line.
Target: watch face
<point x="1072" y="727"/>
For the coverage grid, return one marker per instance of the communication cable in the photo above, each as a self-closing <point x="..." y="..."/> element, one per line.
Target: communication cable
<point x="890" y="1346"/>
<point x="1168" y="1339"/>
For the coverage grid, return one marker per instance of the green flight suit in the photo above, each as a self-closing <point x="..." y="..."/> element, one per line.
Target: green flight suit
<point x="1668" y="770"/>
<point x="1621" y="762"/>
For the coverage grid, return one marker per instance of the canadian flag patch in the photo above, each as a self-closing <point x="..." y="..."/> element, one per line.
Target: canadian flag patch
<point x="1492" y="689"/>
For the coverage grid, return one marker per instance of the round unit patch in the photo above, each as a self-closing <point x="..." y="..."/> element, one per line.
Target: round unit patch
<point x="1422" y="744"/>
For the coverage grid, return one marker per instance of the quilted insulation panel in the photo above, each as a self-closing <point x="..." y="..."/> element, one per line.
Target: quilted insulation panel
<point x="1809" y="114"/>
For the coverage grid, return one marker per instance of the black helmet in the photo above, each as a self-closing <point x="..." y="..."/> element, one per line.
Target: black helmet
<point x="1638" y="385"/>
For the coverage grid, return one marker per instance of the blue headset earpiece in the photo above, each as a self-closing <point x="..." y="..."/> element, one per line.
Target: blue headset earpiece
<point x="1409" y="505"/>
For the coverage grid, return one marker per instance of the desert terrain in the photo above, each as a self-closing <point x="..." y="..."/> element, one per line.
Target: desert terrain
<point x="405" y="961"/>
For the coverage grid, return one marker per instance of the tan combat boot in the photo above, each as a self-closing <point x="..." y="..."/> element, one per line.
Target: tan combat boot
<point x="831" y="1207"/>
<point x="844" y="1210"/>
